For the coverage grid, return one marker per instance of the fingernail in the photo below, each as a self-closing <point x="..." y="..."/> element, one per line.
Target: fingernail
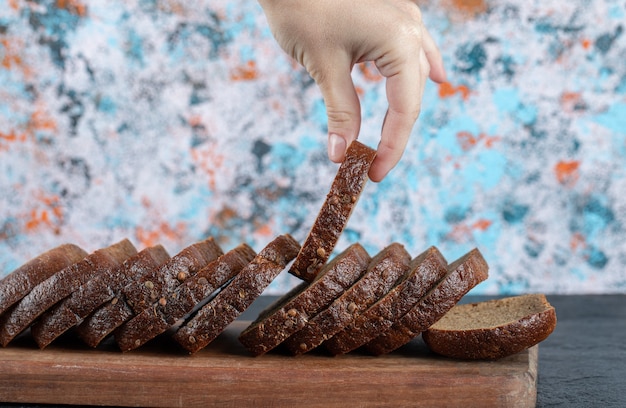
<point x="336" y="147"/>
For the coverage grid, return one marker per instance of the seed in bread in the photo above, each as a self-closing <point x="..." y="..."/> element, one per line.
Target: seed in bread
<point x="492" y="329"/>
<point x="211" y="320"/>
<point x="167" y="311"/>
<point x="382" y="273"/>
<point x="71" y="311"/>
<point x="335" y="212"/>
<point x="59" y="286"/>
<point x="151" y="287"/>
<point x="425" y="270"/>
<point x="292" y="312"/>
<point x="21" y="281"/>
<point x="463" y="275"/>
<point x="115" y="311"/>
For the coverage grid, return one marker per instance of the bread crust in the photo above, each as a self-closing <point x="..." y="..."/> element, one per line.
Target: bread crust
<point x="494" y="342"/>
<point x="426" y="270"/>
<point x="167" y="311"/>
<point x="208" y="322"/>
<point x="155" y="284"/>
<point x="21" y="281"/>
<point x="382" y="273"/>
<point x="77" y="305"/>
<point x="463" y="274"/>
<point x="335" y="212"/>
<point x="72" y="310"/>
<point x="292" y="312"/>
<point x="114" y="311"/>
<point x="59" y="286"/>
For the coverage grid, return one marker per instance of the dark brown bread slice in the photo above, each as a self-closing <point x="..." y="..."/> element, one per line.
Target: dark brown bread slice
<point x="59" y="286"/>
<point x="383" y="272"/>
<point x="112" y="313"/>
<point x="492" y="329"/>
<point x="463" y="274"/>
<point x="18" y="283"/>
<point x="151" y="287"/>
<point x="426" y="270"/>
<point x="292" y="312"/>
<point x="167" y="311"/>
<point x="212" y="318"/>
<point x="82" y="302"/>
<point x="335" y="212"/>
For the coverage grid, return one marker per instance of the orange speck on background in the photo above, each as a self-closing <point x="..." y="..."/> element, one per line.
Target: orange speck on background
<point x="7" y="139"/>
<point x="209" y="161"/>
<point x="482" y="224"/>
<point x="447" y="90"/>
<point x="586" y="43"/>
<point x="463" y="232"/>
<point x="150" y="237"/>
<point x="569" y="101"/>
<point x="464" y="9"/>
<point x="48" y="213"/>
<point x="11" y="56"/>
<point x="264" y="230"/>
<point x="577" y="241"/>
<point x="73" y="6"/>
<point x="247" y="72"/>
<point x="567" y="171"/>
<point x="41" y="120"/>
<point x="370" y="72"/>
<point x="468" y="140"/>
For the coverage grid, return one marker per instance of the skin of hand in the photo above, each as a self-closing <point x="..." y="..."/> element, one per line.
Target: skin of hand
<point x="328" y="37"/>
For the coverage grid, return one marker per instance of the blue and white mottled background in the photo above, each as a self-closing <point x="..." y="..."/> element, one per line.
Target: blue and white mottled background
<point x="167" y="121"/>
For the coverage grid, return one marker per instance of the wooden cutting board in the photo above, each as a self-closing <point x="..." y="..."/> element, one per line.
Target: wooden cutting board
<point x="224" y="374"/>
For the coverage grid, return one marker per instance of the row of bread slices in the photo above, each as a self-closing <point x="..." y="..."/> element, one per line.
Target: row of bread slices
<point x="355" y="300"/>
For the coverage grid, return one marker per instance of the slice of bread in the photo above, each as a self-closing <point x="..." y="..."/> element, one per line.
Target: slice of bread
<point x="335" y="212"/>
<point x="157" y="283"/>
<point x="463" y="274"/>
<point x="292" y="312"/>
<point x="115" y="311"/>
<point x="167" y="311"/>
<point x="211" y="320"/>
<point x="21" y="281"/>
<point x="59" y="286"/>
<point x="425" y="271"/>
<point x="382" y="273"/>
<point x="492" y="329"/>
<point x="82" y="302"/>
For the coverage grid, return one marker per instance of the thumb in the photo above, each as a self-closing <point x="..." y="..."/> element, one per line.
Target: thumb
<point x="342" y="108"/>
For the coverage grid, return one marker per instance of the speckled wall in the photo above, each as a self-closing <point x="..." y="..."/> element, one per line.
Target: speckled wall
<point x="167" y="121"/>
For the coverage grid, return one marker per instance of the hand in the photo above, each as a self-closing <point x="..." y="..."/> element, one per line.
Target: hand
<point x="328" y="37"/>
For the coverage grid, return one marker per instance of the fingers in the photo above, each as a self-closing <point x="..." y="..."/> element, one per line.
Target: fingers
<point x="433" y="55"/>
<point x="404" y="94"/>
<point x="342" y="107"/>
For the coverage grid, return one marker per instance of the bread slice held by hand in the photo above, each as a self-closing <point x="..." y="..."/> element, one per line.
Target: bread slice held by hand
<point x="463" y="275"/>
<point x="292" y="312"/>
<point x="168" y="310"/>
<point x="493" y="329"/>
<point x="59" y="286"/>
<point x="211" y="320"/>
<point x="21" y="281"/>
<point x="335" y="212"/>
<point x="382" y="273"/>
<point x="425" y="270"/>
